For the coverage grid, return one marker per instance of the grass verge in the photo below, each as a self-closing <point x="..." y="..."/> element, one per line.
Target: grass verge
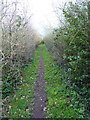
<point x="62" y="102"/>
<point x="19" y="104"/>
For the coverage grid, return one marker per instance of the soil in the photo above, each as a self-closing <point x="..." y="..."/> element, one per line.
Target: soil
<point x="39" y="108"/>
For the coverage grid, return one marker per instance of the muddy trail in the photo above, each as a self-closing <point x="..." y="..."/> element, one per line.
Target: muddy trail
<point x="40" y="95"/>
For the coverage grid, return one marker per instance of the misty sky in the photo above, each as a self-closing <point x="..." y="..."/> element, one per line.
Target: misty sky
<point x="44" y="15"/>
<point x="43" y="12"/>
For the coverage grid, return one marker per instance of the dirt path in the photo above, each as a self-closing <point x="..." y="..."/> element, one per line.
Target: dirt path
<point x="40" y="96"/>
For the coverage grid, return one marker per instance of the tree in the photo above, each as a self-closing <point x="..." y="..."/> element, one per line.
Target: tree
<point x="18" y="44"/>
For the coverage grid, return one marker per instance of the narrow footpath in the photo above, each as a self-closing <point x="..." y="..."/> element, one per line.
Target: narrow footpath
<point x="43" y="93"/>
<point x="40" y="95"/>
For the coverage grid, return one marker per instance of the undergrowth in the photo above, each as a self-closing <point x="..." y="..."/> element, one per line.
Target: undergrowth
<point x="19" y="104"/>
<point x="62" y="101"/>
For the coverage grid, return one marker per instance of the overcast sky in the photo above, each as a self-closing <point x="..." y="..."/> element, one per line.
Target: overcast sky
<point x="43" y="12"/>
<point x="44" y="16"/>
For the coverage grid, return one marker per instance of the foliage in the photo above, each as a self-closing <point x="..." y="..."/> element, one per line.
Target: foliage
<point x="19" y="104"/>
<point x="77" y="52"/>
<point x="73" y="47"/>
<point x="19" y="40"/>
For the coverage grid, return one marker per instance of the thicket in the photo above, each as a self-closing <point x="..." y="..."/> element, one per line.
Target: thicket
<point x="19" y="40"/>
<point x="71" y="46"/>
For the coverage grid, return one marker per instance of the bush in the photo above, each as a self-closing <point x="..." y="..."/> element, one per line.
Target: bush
<point x="72" y="44"/>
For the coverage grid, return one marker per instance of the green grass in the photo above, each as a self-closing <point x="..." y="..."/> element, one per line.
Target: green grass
<point x="62" y="102"/>
<point x="21" y="102"/>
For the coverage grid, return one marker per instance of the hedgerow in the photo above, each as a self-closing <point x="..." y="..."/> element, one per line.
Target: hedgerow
<point x="71" y="44"/>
